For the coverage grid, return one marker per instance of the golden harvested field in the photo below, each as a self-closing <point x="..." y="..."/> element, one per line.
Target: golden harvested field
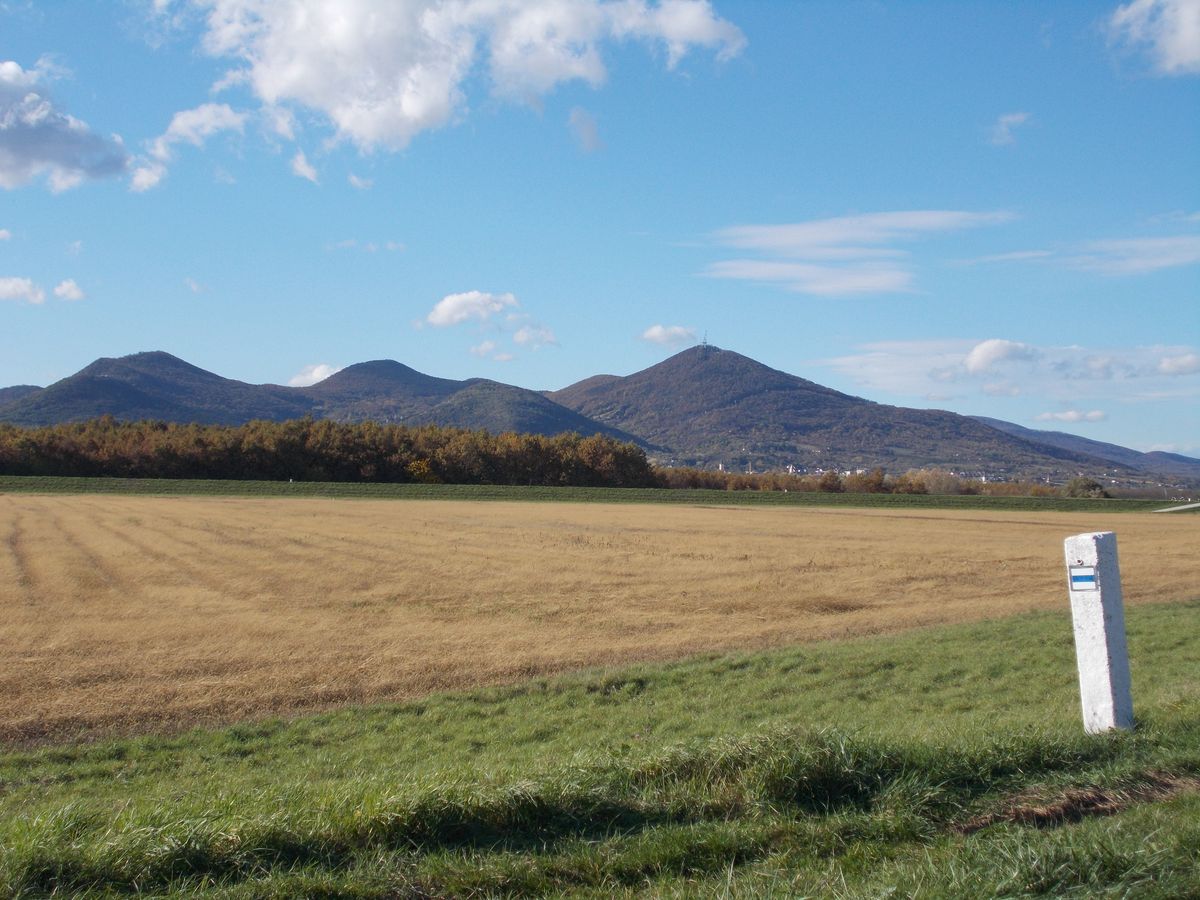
<point x="136" y="614"/>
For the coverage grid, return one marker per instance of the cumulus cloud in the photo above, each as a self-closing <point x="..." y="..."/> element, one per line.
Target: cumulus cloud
<point x="68" y="290"/>
<point x="21" y="289"/>
<point x="1072" y="415"/>
<point x="190" y="126"/>
<point x="310" y="375"/>
<point x="840" y="256"/>
<point x="5" y="234"/>
<point x="534" y="336"/>
<point x="1002" y="131"/>
<point x="454" y="309"/>
<point x="381" y="73"/>
<point x="302" y="168"/>
<point x="38" y="139"/>
<point x="585" y="130"/>
<point x="483" y="349"/>
<point x="1169" y="30"/>
<point x="987" y="354"/>
<point x="669" y="334"/>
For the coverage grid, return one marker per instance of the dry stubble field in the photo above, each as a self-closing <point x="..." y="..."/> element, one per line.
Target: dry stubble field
<point x="128" y="614"/>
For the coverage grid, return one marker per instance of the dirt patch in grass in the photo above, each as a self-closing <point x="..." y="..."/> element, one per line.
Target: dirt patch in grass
<point x="1039" y="809"/>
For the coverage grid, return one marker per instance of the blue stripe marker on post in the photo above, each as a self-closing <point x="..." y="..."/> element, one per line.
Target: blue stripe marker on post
<point x="1083" y="578"/>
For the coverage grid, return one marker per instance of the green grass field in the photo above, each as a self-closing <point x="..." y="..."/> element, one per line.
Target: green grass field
<point x="949" y="762"/>
<point x="227" y="488"/>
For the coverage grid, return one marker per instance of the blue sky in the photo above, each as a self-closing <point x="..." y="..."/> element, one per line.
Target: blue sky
<point x="992" y="208"/>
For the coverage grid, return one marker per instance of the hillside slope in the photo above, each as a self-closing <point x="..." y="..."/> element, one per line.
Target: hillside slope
<point x="707" y="405"/>
<point x="157" y="385"/>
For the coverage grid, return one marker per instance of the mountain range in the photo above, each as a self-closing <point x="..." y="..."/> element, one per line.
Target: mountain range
<point x="704" y="406"/>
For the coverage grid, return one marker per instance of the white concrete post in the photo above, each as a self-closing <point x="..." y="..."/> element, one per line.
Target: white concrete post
<point x="1094" y="580"/>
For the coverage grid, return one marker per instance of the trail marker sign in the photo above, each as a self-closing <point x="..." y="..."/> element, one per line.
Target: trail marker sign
<point x="1097" y="609"/>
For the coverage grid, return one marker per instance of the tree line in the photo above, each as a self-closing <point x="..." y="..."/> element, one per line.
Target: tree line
<point x="321" y="450"/>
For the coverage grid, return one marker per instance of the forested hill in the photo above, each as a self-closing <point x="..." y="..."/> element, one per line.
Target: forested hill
<point x="702" y="407"/>
<point x="707" y="405"/>
<point x="162" y="387"/>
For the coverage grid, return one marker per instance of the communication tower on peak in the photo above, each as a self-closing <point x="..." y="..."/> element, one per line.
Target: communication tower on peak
<point x="705" y="347"/>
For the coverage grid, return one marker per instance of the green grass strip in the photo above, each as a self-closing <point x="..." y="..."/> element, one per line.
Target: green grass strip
<point x="702" y="497"/>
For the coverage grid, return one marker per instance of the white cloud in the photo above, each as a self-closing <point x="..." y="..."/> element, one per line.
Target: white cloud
<point x="362" y="184"/>
<point x="68" y="290"/>
<point x="190" y="126"/>
<point x="310" y="375"/>
<point x="1001" y="389"/>
<point x="1072" y="415"/>
<point x="503" y="357"/>
<point x="806" y="278"/>
<point x="5" y="234"/>
<point x="1012" y="256"/>
<point x="583" y="126"/>
<point x="1168" y="29"/>
<point x="21" y="289"/>
<point x="987" y="354"/>
<point x="281" y="121"/>
<point x="1136" y="256"/>
<point x="1002" y="131"/>
<point x="37" y="139"/>
<point x="75" y="248"/>
<point x="454" y="309"/>
<point x="1071" y="375"/>
<point x="534" y="336"/>
<point x="669" y="334"/>
<point x="840" y="256"/>
<point x="483" y="349"/>
<point x="381" y="73"/>
<point x="302" y="168"/>
<point x="193" y="285"/>
<point x="1184" y="364"/>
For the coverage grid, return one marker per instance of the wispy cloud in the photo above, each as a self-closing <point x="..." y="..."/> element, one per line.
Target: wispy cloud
<point x="5" y="234"/>
<point x="998" y="367"/>
<point x="1115" y="257"/>
<point x="1002" y="131"/>
<point x="302" y="168"/>
<point x="585" y="130"/>
<point x="1072" y="415"/>
<point x="840" y="256"/>
<point x="1135" y="256"/>
<point x="1011" y="256"/>
<point x="534" y="336"/>
<point x="190" y="126"/>
<point x="360" y="184"/>
<point x="1184" y="364"/>
<point x="1169" y="30"/>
